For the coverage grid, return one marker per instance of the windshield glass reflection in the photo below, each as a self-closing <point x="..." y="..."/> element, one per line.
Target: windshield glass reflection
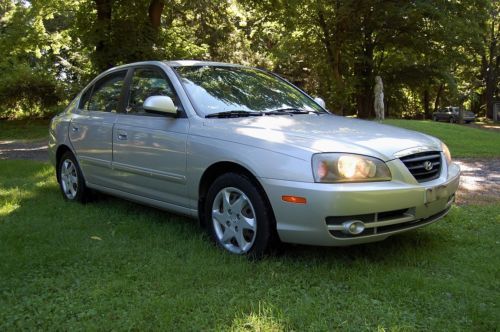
<point x="216" y="89"/>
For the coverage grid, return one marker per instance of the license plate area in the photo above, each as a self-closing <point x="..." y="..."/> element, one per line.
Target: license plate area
<point x="435" y="193"/>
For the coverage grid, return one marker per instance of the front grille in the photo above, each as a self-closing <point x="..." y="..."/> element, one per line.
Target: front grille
<point x="416" y="164"/>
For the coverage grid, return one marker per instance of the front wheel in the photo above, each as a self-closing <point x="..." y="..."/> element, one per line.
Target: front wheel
<point x="71" y="179"/>
<point x="239" y="219"/>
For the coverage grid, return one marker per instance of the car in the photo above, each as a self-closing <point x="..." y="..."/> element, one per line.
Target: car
<point x="451" y="115"/>
<point x="255" y="159"/>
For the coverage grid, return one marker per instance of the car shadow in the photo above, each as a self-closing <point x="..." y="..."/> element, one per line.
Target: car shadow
<point x="412" y="243"/>
<point x="397" y="248"/>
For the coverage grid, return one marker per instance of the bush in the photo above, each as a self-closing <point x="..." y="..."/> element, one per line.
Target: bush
<point x="25" y="92"/>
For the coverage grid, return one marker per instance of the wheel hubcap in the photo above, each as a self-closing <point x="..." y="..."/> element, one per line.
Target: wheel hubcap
<point x="234" y="220"/>
<point x="69" y="179"/>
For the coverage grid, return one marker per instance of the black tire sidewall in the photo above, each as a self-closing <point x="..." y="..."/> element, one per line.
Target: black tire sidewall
<point x="264" y="217"/>
<point x="81" y="193"/>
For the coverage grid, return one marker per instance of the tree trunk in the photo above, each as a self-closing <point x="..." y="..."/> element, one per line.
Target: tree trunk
<point x="332" y="44"/>
<point x="427" y="106"/>
<point x="364" y="73"/>
<point x="491" y="73"/>
<point x="438" y="97"/>
<point x="155" y="10"/>
<point x="103" y="58"/>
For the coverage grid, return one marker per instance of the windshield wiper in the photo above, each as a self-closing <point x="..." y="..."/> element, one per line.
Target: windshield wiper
<point x="233" y="114"/>
<point x="290" y="110"/>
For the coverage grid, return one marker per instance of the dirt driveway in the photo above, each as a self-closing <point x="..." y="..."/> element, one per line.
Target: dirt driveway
<point x="479" y="183"/>
<point x="21" y="149"/>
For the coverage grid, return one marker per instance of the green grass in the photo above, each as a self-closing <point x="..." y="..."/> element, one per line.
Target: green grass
<point x="462" y="140"/>
<point x="24" y="129"/>
<point x="112" y="264"/>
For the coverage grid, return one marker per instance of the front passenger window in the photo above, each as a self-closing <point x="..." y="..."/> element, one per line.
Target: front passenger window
<point x="106" y="93"/>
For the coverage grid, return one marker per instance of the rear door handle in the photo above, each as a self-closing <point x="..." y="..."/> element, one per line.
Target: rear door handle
<point x="122" y="136"/>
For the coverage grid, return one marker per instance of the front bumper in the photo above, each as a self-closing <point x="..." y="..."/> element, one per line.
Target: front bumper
<point x="386" y="208"/>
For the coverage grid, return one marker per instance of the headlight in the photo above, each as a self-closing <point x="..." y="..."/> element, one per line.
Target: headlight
<point x="343" y="167"/>
<point x="446" y="152"/>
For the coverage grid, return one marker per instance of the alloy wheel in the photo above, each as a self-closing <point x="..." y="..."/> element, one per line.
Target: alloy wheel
<point x="69" y="179"/>
<point x="234" y="220"/>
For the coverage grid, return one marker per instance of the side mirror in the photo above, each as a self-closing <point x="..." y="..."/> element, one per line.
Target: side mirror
<point x="160" y="104"/>
<point x="320" y="102"/>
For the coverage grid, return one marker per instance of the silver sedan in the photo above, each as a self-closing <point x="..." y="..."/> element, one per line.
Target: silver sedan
<point x="254" y="158"/>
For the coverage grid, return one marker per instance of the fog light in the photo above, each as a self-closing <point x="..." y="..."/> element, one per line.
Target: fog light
<point x="353" y="227"/>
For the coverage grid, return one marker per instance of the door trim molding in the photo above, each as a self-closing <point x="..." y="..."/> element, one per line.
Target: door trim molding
<point x="149" y="172"/>
<point x="85" y="160"/>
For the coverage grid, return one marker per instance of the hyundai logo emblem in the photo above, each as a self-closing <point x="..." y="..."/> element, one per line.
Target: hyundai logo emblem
<point x="428" y="165"/>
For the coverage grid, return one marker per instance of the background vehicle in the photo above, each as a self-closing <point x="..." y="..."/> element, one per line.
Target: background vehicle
<point x="451" y="114"/>
<point x="251" y="156"/>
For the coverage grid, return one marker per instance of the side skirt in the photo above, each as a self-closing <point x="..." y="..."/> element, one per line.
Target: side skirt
<point x="193" y="213"/>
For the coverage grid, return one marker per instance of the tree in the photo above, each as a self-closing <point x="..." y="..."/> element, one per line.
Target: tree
<point x="490" y="57"/>
<point x="428" y="53"/>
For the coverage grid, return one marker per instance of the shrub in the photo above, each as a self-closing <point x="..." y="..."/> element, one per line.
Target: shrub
<point x="25" y="92"/>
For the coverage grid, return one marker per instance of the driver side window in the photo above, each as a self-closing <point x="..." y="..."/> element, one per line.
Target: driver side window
<point x="147" y="82"/>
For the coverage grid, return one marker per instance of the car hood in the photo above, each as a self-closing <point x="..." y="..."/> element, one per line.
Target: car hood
<point x="299" y="134"/>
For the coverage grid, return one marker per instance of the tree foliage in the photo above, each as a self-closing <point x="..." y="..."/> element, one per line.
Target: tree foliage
<point x="429" y="53"/>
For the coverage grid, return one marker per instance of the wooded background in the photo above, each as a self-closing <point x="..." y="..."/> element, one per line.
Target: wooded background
<point x="429" y="53"/>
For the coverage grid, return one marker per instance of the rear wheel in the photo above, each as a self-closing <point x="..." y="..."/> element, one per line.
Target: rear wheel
<point x="238" y="218"/>
<point x="71" y="179"/>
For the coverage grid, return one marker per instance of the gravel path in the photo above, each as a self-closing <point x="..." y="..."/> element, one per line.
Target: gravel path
<point x="479" y="183"/>
<point x="21" y="149"/>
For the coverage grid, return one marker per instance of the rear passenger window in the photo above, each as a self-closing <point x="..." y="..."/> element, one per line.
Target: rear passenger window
<point x="106" y="93"/>
<point x="148" y="82"/>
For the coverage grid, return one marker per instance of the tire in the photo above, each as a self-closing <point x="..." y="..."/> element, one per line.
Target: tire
<point x="71" y="181"/>
<point x="451" y="120"/>
<point x="434" y="118"/>
<point x="237" y="216"/>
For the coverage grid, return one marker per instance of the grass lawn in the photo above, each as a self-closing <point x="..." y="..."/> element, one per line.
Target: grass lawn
<point x="24" y="129"/>
<point x="462" y="140"/>
<point x="116" y="265"/>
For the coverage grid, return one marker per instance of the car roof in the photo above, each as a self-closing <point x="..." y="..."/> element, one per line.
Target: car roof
<point x="187" y="63"/>
<point x="171" y="63"/>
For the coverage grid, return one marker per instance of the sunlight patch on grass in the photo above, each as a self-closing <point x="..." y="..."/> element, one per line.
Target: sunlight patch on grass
<point x="263" y="320"/>
<point x="45" y="177"/>
<point x="10" y="200"/>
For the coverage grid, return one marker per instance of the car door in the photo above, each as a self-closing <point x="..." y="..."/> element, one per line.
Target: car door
<point x="149" y="150"/>
<point x="91" y="127"/>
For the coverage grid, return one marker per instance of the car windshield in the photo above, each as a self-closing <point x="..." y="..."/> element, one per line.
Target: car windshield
<point x="219" y="89"/>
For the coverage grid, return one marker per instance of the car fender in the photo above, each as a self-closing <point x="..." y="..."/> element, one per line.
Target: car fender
<point x="262" y="163"/>
<point x="58" y="135"/>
